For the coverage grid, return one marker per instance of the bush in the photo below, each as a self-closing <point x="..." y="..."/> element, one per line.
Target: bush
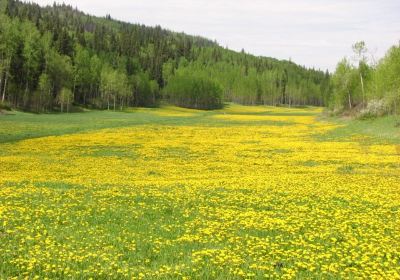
<point x="5" y="106"/>
<point x="194" y="92"/>
<point x="375" y="108"/>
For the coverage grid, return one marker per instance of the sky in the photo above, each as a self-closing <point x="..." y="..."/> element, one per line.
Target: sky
<point x="313" y="33"/>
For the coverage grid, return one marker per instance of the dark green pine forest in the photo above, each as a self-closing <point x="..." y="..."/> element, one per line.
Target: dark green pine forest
<point x="57" y="58"/>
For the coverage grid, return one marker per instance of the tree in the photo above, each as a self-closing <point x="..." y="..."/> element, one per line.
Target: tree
<point x="360" y="50"/>
<point x="60" y="71"/>
<point x="32" y="56"/>
<point x="95" y="77"/>
<point x="124" y="90"/>
<point x="65" y="97"/>
<point x="115" y="86"/>
<point x="43" y="50"/>
<point x="8" y="47"/>
<point x="145" y="90"/>
<point x="168" y="71"/>
<point x="44" y="90"/>
<point x="344" y="83"/>
<point x="82" y="74"/>
<point x="108" y="84"/>
<point x="387" y="79"/>
<point x="65" y="43"/>
<point x="194" y="91"/>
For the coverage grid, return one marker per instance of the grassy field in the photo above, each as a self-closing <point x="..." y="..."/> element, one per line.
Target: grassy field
<point x="240" y="193"/>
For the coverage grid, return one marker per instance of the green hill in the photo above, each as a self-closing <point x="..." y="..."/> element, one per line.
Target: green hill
<point x="56" y="56"/>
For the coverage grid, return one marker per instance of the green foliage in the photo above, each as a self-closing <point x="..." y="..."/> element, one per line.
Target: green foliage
<point x="64" y="98"/>
<point x="387" y="79"/>
<point x="375" y="87"/>
<point x="82" y="72"/>
<point x="168" y="71"/>
<point x="115" y="87"/>
<point x="31" y="54"/>
<point x="146" y="90"/>
<point x="106" y="62"/>
<point x="8" y="48"/>
<point x="345" y="83"/>
<point x="43" y="93"/>
<point x="192" y="90"/>
<point x="251" y="80"/>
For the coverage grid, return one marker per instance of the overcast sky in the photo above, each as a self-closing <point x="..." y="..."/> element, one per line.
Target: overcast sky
<point x="314" y="33"/>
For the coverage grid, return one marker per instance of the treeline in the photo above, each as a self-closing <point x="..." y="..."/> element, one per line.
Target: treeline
<point x="251" y="80"/>
<point x="367" y="87"/>
<point x="56" y="56"/>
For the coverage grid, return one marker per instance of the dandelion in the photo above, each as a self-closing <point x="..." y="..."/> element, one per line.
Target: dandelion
<point x="244" y="196"/>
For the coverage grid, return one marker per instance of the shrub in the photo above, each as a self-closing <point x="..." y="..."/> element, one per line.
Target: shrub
<point x="375" y="108"/>
<point x="5" y="106"/>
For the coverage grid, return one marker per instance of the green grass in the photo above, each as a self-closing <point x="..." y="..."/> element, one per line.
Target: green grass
<point x="382" y="130"/>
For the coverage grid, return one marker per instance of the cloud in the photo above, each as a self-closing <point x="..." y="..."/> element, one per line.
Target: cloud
<point x="313" y="33"/>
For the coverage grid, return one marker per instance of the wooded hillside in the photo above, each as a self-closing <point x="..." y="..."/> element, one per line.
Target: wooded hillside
<point x="56" y="56"/>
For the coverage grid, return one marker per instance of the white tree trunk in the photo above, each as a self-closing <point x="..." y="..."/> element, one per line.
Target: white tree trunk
<point x="4" y="89"/>
<point x="1" y="82"/>
<point x="350" y="101"/>
<point x="363" y="91"/>
<point x="6" y="69"/>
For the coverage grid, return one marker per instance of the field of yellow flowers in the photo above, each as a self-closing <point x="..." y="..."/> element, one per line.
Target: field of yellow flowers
<point x="240" y="193"/>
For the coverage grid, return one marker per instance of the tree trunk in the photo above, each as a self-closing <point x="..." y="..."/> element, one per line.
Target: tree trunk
<point x="74" y="87"/>
<point x="27" y="98"/>
<point x="1" y="82"/>
<point x="350" y="101"/>
<point x="5" y="87"/>
<point x="363" y="91"/>
<point x="114" y="103"/>
<point x="47" y="105"/>
<point x="3" y="74"/>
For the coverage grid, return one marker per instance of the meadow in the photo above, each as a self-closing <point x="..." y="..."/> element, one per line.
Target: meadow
<point x="170" y="193"/>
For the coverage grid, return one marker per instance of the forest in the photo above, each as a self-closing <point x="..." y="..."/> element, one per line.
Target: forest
<point x="56" y="57"/>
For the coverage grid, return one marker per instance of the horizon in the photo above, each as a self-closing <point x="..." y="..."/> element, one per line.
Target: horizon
<point x="329" y="30"/>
